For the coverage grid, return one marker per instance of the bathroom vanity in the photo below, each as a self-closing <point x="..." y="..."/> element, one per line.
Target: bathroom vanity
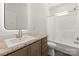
<point x="35" y="47"/>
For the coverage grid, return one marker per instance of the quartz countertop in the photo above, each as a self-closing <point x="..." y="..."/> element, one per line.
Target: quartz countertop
<point x="37" y="36"/>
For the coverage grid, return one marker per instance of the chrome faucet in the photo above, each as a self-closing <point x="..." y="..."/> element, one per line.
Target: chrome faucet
<point x="19" y="34"/>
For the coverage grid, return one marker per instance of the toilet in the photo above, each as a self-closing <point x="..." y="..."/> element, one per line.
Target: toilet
<point x="51" y="47"/>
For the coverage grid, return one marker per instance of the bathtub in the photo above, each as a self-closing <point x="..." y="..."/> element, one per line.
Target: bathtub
<point x="65" y="47"/>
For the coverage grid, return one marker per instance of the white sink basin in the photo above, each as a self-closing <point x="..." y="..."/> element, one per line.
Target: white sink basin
<point x="16" y="41"/>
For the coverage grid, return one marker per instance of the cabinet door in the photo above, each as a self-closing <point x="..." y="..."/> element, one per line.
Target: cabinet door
<point x="44" y="47"/>
<point x="36" y="49"/>
<point x="21" y="52"/>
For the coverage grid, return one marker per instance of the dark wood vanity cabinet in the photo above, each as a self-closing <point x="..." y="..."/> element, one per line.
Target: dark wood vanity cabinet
<point x="37" y="48"/>
<point x="25" y="51"/>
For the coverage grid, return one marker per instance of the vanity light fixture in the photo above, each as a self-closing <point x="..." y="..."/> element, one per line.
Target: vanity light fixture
<point x="61" y="13"/>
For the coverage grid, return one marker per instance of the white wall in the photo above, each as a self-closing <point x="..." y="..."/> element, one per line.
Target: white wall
<point x="1" y="18"/>
<point x="1" y="14"/>
<point x="38" y="16"/>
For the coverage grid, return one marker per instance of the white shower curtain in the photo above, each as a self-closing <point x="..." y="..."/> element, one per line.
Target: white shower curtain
<point x="63" y="28"/>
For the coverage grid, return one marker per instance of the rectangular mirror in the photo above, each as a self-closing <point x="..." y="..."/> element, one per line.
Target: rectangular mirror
<point x="15" y="16"/>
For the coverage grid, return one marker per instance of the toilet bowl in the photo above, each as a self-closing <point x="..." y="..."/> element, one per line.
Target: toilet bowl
<point x="51" y="47"/>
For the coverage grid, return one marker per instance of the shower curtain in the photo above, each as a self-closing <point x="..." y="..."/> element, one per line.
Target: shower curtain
<point x="63" y="28"/>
